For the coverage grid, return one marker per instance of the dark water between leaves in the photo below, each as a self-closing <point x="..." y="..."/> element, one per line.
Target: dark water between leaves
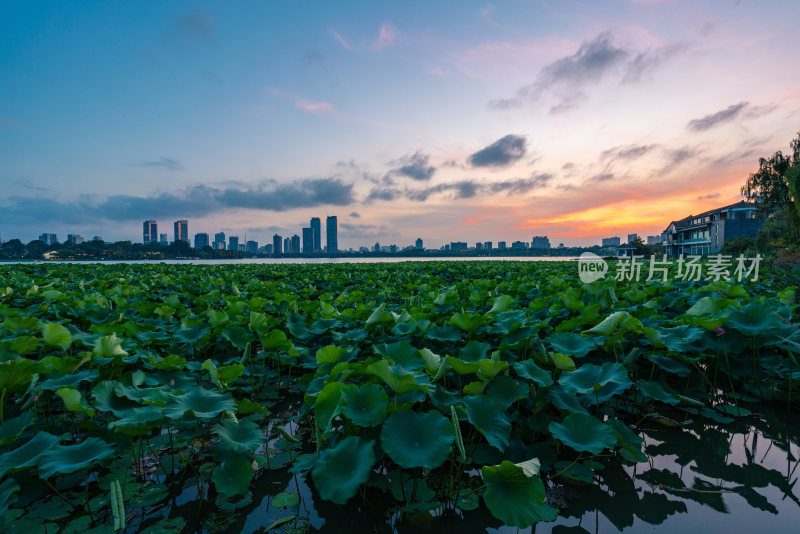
<point x="735" y="477"/>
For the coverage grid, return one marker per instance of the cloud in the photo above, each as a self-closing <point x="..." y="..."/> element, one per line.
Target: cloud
<point x="195" y="201"/>
<point x="715" y="119"/>
<point x="462" y="189"/>
<point x="627" y="153"/>
<point x="167" y="164"/>
<point x="30" y="186"/>
<point x="709" y="196"/>
<point x="387" y="34"/>
<point x="742" y="110"/>
<point x="313" y="107"/>
<point x="414" y="166"/>
<point x="341" y="40"/>
<point x="199" y="26"/>
<point x="602" y="177"/>
<point x="563" y="81"/>
<point x="355" y="215"/>
<point x="501" y="153"/>
<point x="679" y="155"/>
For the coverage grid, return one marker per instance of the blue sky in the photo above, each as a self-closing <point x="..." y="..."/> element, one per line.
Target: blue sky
<point x="469" y="121"/>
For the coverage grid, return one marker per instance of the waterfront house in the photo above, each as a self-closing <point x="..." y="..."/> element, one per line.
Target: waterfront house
<point x="706" y="232"/>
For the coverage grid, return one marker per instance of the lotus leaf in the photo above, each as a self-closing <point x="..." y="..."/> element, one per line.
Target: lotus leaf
<point x="513" y="497"/>
<point x="365" y="405"/>
<point x="341" y="470"/>
<point x="417" y="439"/>
<point x="488" y="417"/>
<point x="65" y="459"/>
<point x="29" y="454"/>
<point x="240" y="437"/>
<point x="56" y="335"/>
<point x="584" y="433"/>
<point x="232" y="477"/>
<point x="203" y="403"/>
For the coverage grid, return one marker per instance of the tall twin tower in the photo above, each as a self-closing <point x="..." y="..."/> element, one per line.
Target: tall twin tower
<point x="312" y="236"/>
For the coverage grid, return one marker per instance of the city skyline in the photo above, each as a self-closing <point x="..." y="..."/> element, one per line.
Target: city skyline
<point x="496" y="121"/>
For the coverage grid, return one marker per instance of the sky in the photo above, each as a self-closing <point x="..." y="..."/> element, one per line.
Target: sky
<point x="449" y="121"/>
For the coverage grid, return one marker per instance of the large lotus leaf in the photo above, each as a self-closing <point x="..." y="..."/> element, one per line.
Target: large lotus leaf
<point x="217" y="318"/>
<point x="656" y="391"/>
<point x="474" y="351"/>
<point x="106" y="400"/>
<point x="590" y="378"/>
<point x="443" y="333"/>
<point x="68" y="380"/>
<point x="65" y="459"/>
<point x="584" y="433"/>
<point x="506" y="391"/>
<point x="330" y="354"/>
<point x="241" y="437"/>
<point x="417" y="439"/>
<point x="365" y="405"/>
<point x="681" y="338"/>
<point x="7" y="489"/>
<point x="565" y="401"/>
<point x="238" y="336"/>
<point x="194" y="335"/>
<point x="401" y="353"/>
<point x="25" y="344"/>
<point x="432" y="361"/>
<point x="232" y="477"/>
<point x="203" y="403"/>
<point x="56" y="335"/>
<point x="326" y="405"/>
<point x="158" y="395"/>
<point x="573" y="345"/>
<point x="561" y="361"/>
<point x="629" y="442"/>
<point x="466" y="321"/>
<point x="710" y="306"/>
<point x="11" y="430"/>
<point x="461" y="367"/>
<point x="489" y="419"/>
<point x="501" y="304"/>
<point x="137" y="420"/>
<point x="618" y="323"/>
<point x="276" y="340"/>
<point x="397" y="377"/>
<point x="513" y="497"/>
<point x="754" y="319"/>
<point x="74" y="401"/>
<point x="529" y="370"/>
<point x="109" y="347"/>
<point x="490" y="368"/>
<point x="28" y="454"/>
<point x="341" y="470"/>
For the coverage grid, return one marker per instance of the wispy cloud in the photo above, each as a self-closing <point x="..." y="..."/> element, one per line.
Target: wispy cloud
<point x="165" y="163"/>
<point x="387" y="34"/>
<point x="627" y="152"/>
<point x="462" y="189"/>
<point x="32" y="187"/>
<point x="341" y="40"/>
<point x="742" y="110"/>
<point x="709" y="196"/>
<point x="313" y="107"/>
<point x="501" y="153"/>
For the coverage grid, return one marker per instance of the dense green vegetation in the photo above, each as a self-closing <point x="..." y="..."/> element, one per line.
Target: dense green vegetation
<point x="442" y="386"/>
<point x="14" y="249"/>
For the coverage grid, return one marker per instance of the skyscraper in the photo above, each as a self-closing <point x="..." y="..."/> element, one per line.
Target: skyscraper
<point x="162" y="239"/>
<point x="295" y="244"/>
<point x="316" y="232"/>
<point x="149" y="232"/>
<point x="48" y="239"/>
<point x="418" y="244"/>
<point x="308" y="240"/>
<point x="182" y="230"/>
<point x="276" y="244"/>
<point x="332" y="231"/>
<point x="200" y="241"/>
<point x="233" y="243"/>
<point x="252" y="247"/>
<point x="219" y="241"/>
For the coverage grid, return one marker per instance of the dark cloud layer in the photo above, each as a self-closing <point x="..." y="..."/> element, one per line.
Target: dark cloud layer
<point x="462" y="189"/>
<point x="501" y="153"/>
<point x="415" y="166"/>
<point x="196" y="201"/>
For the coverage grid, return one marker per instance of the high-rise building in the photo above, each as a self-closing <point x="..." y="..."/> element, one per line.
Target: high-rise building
<point x="252" y="247"/>
<point x="332" y="231"/>
<point x="487" y="245"/>
<point x="540" y="242"/>
<point x="308" y="240"/>
<point x="611" y="241"/>
<point x="277" y="241"/>
<point x="268" y="249"/>
<point x="458" y="246"/>
<point x="295" y="244"/>
<point x="74" y="239"/>
<point x="219" y="241"/>
<point x="242" y="247"/>
<point x="418" y="244"/>
<point x="182" y="230"/>
<point x="478" y="246"/>
<point x="233" y="243"/>
<point x="287" y="245"/>
<point x="149" y="232"/>
<point x="316" y="232"/>
<point x="162" y="239"/>
<point x="48" y="239"/>
<point x="519" y="245"/>
<point x="501" y="245"/>
<point x="200" y="241"/>
<point x="653" y="239"/>
<point x="632" y="237"/>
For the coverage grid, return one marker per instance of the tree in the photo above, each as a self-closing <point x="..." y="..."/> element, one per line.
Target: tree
<point x="775" y="189"/>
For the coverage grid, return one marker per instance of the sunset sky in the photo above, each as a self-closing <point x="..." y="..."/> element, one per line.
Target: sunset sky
<point x="450" y="121"/>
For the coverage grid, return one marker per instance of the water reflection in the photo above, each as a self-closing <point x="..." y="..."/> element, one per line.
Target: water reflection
<point x="738" y="477"/>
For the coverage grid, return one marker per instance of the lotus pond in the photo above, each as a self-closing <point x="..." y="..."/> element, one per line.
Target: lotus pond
<point x="459" y="396"/>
